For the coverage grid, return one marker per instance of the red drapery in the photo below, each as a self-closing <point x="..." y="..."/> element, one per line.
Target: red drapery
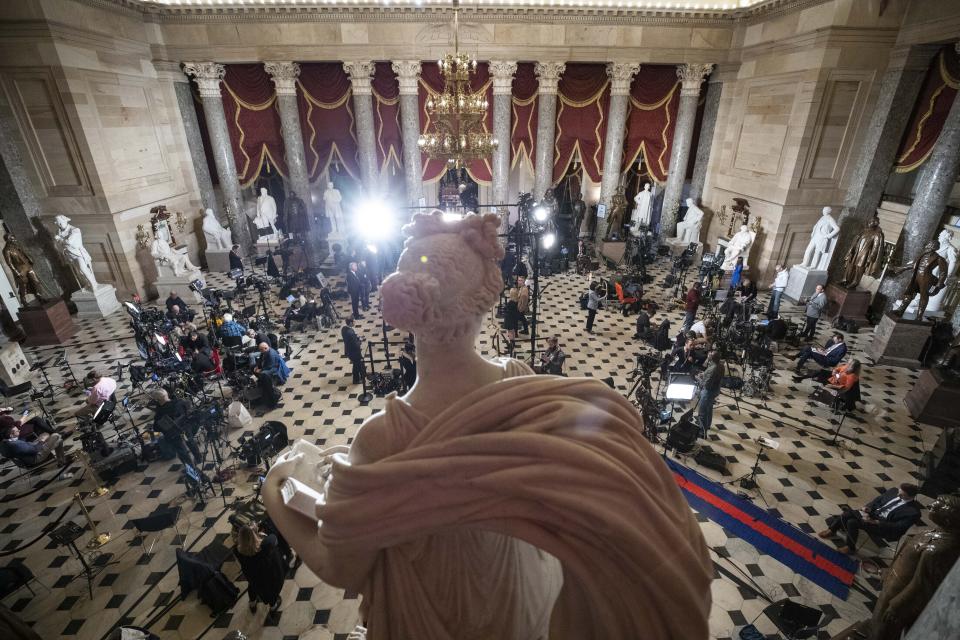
<point x="582" y="103"/>
<point x="326" y="119"/>
<point x="654" y="101"/>
<point x="933" y="104"/>
<point x="253" y="121"/>
<point x="523" y="120"/>
<point x="431" y="83"/>
<point x="386" y="118"/>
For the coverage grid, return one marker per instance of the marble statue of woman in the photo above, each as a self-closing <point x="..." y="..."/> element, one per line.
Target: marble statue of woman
<point x="266" y="214"/>
<point x="470" y="507"/>
<point x="332" y="209"/>
<point x="217" y="237"/>
<point x="643" y="203"/>
<point x="739" y="247"/>
<point x="69" y="241"/>
<point x="949" y="253"/>
<point x="688" y="229"/>
<point x="822" y="241"/>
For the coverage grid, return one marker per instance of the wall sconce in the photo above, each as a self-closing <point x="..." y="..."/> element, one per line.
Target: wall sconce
<point x="143" y="238"/>
<point x="181" y="221"/>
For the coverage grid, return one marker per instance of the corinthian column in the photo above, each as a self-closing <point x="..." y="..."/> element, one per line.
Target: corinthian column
<point x="360" y="74"/>
<point x="691" y="76"/>
<point x="548" y="76"/>
<point x="502" y="72"/>
<point x="208" y="76"/>
<point x="408" y="73"/>
<point x="621" y="74"/>
<point x="284" y="76"/>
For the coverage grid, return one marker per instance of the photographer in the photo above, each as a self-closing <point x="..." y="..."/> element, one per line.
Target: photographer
<point x="709" y="390"/>
<point x="551" y="360"/>
<point x="271" y="370"/>
<point x="168" y="418"/>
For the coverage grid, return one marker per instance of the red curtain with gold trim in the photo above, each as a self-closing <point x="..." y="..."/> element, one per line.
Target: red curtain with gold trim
<point x="582" y="102"/>
<point x="933" y="104"/>
<point x="253" y="121"/>
<point x="386" y="119"/>
<point x="652" y="116"/>
<point x="523" y="119"/>
<point x="326" y="119"/>
<point x="431" y="83"/>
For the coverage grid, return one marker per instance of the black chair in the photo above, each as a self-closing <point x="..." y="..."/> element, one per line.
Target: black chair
<point x="795" y="621"/>
<point x="14" y="577"/>
<point x="16" y="390"/>
<point x="159" y="520"/>
<point x="232" y="342"/>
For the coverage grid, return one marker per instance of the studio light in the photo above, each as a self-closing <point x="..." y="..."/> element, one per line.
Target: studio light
<point x="549" y="239"/>
<point x="372" y="248"/>
<point x="452" y="216"/>
<point x="541" y="213"/>
<point x="373" y="220"/>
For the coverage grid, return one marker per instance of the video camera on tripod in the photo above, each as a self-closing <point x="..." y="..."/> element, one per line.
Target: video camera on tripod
<point x="269" y="440"/>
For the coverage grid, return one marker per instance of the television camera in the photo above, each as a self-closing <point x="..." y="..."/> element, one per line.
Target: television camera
<point x="269" y="440"/>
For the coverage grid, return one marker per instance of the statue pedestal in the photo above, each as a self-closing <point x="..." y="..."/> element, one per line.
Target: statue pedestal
<point x="99" y="303"/>
<point x="47" y="324"/>
<point x="934" y="399"/>
<point x="218" y="260"/>
<point x="14" y="368"/>
<point x="167" y="282"/>
<point x="728" y="276"/>
<point x="852" y="304"/>
<point x="678" y="246"/>
<point x="898" y="342"/>
<point x="802" y="282"/>
<point x="613" y="251"/>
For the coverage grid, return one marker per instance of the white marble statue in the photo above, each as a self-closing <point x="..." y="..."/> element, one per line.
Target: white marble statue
<point x="949" y="253"/>
<point x="176" y="260"/>
<point x="688" y="229"/>
<point x="643" y="203"/>
<point x="266" y="215"/>
<point x="453" y="512"/>
<point x="217" y="237"/>
<point x="69" y="242"/>
<point x="332" y="209"/>
<point x="816" y="257"/>
<point x="739" y="247"/>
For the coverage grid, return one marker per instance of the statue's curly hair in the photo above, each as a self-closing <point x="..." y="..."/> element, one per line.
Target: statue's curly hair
<point x="479" y="231"/>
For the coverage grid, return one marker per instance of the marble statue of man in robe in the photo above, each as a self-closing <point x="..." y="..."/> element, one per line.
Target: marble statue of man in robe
<point x="69" y="241"/>
<point x="688" y="229"/>
<point x="176" y="259"/>
<point x="822" y="241"/>
<point x="643" y="204"/>
<point x="332" y="209"/>
<point x="739" y="247"/>
<point x="217" y="237"/>
<point x="469" y="507"/>
<point x="266" y="215"/>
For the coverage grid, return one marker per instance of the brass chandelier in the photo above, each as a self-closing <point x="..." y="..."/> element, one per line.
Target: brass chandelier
<point x="456" y="134"/>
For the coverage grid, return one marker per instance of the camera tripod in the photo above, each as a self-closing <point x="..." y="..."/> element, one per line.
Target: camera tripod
<point x="748" y="482"/>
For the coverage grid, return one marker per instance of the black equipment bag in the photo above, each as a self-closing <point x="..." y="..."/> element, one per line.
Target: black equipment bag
<point x="682" y="436"/>
<point x="583" y="301"/>
<point x="710" y="459"/>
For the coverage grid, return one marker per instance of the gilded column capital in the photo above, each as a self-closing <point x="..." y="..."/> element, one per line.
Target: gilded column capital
<point x="502" y="72"/>
<point x="691" y="77"/>
<point x="208" y="76"/>
<point x="284" y="75"/>
<point x="360" y="72"/>
<point x="548" y="76"/>
<point x="621" y="75"/>
<point x="408" y="72"/>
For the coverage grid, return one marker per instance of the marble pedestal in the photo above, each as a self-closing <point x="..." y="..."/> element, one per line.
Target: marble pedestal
<point x="613" y="251"/>
<point x="934" y="399"/>
<point x="898" y="342"/>
<point x="679" y="246"/>
<point x="99" y="303"/>
<point x="47" y="324"/>
<point x="218" y="260"/>
<point x="14" y="368"/>
<point x="802" y="282"/>
<point x="852" y="304"/>
<point x="167" y="282"/>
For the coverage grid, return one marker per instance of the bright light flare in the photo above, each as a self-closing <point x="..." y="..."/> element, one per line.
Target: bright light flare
<point x="374" y="220"/>
<point x="549" y="240"/>
<point x="541" y="213"/>
<point x="372" y="248"/>
<point x="452" y="216"/>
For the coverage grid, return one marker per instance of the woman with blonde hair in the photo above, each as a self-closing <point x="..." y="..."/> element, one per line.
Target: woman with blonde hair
<point x="511" y="314"/>
<point x="262" y="565"/>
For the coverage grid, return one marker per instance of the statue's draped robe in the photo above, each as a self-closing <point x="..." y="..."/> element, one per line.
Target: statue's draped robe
<point x="559" y="463"/>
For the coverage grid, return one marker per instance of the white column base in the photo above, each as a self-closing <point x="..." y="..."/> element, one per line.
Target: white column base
<point x="99" y="303"/>
<point x="802" y="282"/>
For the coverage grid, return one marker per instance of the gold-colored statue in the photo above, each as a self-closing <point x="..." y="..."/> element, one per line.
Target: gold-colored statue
<point x="618" y="207"/>
<point x="22" y="267"/>
<point x="919" y="567"/>
<point x="924" y="282"/>
<point x="864" y="255"/>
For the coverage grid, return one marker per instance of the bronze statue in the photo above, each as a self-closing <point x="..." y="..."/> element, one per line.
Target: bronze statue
<point x="919" y="567"/>
<point x="618" y="207"/>
<point x="864" y="256"/>
<point x="923" y="282"/>
<point x="579" y="209"/>
<point x="22" y="267"/>
<point x="295" y="215"/>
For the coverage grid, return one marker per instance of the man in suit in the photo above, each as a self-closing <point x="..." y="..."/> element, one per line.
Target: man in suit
<point x="887" y="516"/>
<point x="830" y="355"/>
<point x="353" y="350"/>
<point x="354" y="288"/>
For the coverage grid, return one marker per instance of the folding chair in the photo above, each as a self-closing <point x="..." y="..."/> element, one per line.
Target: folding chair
<point x="626" y="303"/>
<point x="158" y="521"/>
<point x="14" y="577"/>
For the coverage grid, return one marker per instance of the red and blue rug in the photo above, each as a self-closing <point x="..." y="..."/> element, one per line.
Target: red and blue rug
<point x="771" y="536"/>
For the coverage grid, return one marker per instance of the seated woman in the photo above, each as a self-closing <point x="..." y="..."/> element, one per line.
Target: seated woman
<point x="843" y="377"/>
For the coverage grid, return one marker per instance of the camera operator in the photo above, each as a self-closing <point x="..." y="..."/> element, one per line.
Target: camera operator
<point x="195" y="341"/>
<point x="691" y="304"/>
<point x="551" y="360"/>
<point x="747" y="291"/>
<point x="168" y="418"/>
<point x="293" y="313"/>
<point x="101" y="389"/>
<point x="709" y="390"/>
<point x="353" y="349"/>
<point x="643" y="323"/>
<point x="774" y="333"/>
<point x="230" y="327"/>
<point x="236" y="259"/>
<point x="271" y="370"/>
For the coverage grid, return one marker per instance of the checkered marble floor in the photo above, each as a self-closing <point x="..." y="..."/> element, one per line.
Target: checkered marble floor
<point x="803" y="481"/>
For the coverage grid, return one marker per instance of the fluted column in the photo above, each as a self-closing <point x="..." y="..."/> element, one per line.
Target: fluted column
<point x="360" y="74"/>
<point x="408" y="74"/>
<point x="691" y="76"/>
<point x="208" y="76"/>
<point x="284" y="75"/>
<point x="502" y="72"/>
<point x="548" y="77"/>
<point x="621" y="74"/>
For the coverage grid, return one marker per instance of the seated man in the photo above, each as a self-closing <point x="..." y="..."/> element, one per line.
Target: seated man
<point x="271" y="370"/>
<point x="294" y="313"/>
<point x="30" y="454"/>
<point x="230" y="327"/>
<point x="551" y="360"/>
<point x="173" y="300"/>
<point x="888" y="516"/>
<point x="169" y="419"/>
<point x="101" y="389"/>
<point x="196" y="342"/>
<point x="30" y="426"/>
<point x="829" y="356"/>
<point x="643" y="324"/>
